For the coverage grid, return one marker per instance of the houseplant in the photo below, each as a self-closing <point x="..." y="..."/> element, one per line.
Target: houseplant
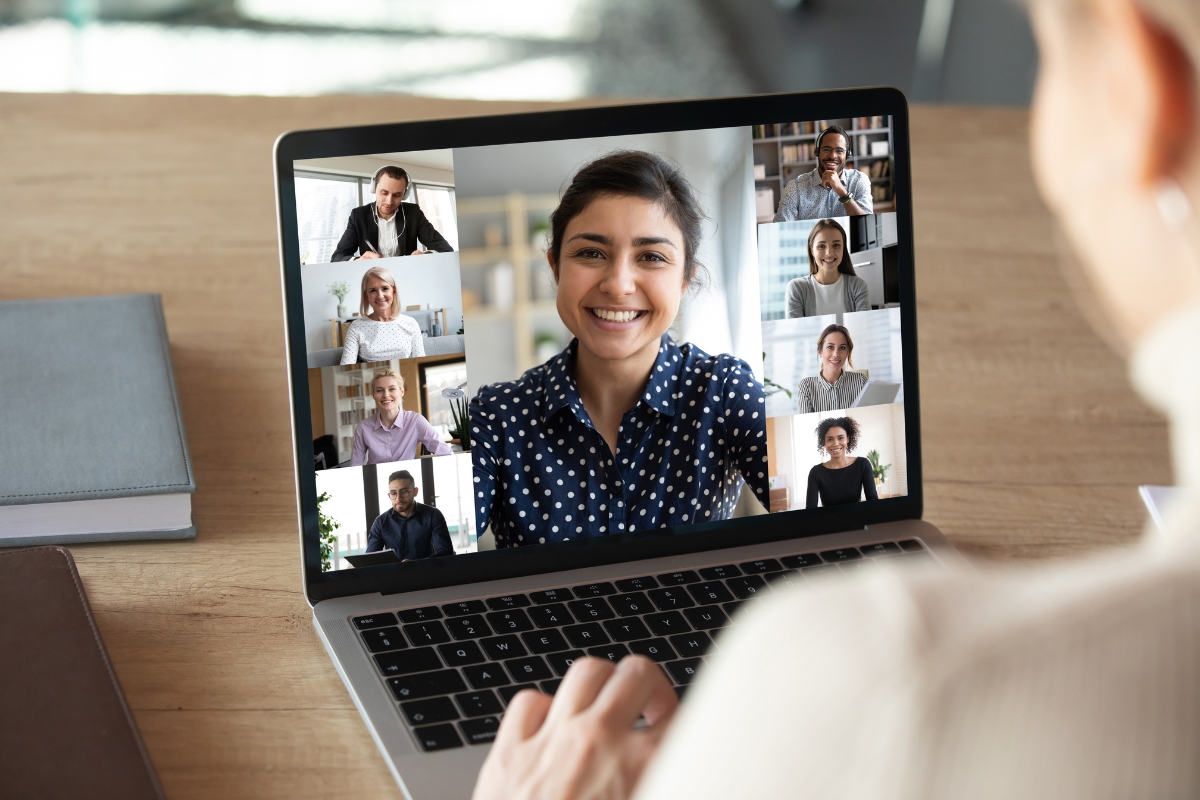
<point x="340" y="289"/>
<point x="326" y="525"/>
<point x="880" y="471"/>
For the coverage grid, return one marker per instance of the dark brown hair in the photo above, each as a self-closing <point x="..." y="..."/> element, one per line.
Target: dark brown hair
<point x="849" y="342"/>
<point x="846" y="267"/>
<point x="845" y="423"/>
<point x="395" y="173"/>
<point x="632" y="173"/>
<point x="402" y="475"/>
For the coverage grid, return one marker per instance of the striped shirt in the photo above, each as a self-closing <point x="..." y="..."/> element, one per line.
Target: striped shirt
<point x="817" y="394"/>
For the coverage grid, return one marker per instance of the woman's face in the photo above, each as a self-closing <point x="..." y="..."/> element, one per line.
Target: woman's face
<point x="827" y="250"/>
<point x="379" y="295"/>
<point x="387" y="392"/>
<point x="834" y="352"/>
<point x="620" y="276"/>
<point x="836" y="441"/>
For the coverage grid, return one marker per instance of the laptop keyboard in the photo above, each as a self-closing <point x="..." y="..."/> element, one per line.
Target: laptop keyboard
<point x="453" y="668"/>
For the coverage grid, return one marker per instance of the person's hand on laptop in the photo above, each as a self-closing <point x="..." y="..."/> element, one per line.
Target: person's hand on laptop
<point x="581" y="743"/>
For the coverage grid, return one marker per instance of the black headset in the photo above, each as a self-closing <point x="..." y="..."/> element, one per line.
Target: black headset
<point x="375" y="211"/>
<point x="838" y="129"/>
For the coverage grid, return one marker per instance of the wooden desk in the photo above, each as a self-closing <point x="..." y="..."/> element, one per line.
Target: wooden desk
<point x="1033" y="442"/>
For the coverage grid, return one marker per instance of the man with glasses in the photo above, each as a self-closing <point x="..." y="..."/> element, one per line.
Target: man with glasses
<point x="829" y="190"/>
<point x="409" y="529"/>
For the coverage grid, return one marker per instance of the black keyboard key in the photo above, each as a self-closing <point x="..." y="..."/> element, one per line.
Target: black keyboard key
<point x="628" y="605"/>
<point x="841" y="554"/>
<point x="427" y="684"/>
<point x="374" y="621"/>
<point x="425" y="712"/>
<point x="683" y="671"/>
<point x="550" y="641"/>
<point x="592" y="610"/>
<point x="747" y="587"/>
<point x="404" y="662"/>
<point x="667" y="623"/>
<point x="507" y="693"/>
<point x="760" y="566"/>
<point x="613" y="652"/>
<point x="818" y="571"/>
<point x="480" y="731"/>
<point x="626" y="630"/>
<point x="880" y="549"/>
<point x="464" y="608"/>
<point x="502" y="647"/>
<point x="382" y="639"/>
<point x="459" y="654"/>
<point x="911" y="546"/>
<point x="637" y="584"/>
<point x="561" y="662"/>
<point x="507" y="601"/>
<point x="720" y="573"/>
<point x="803" y="560"/>
<point x="551" y="686"/>
<point x="420" y="633"/>
<point x="478" y="704"/>
<point x="422" y="614"/>
<point x="594" y="590"/>
<point x="588" y="634"/>
<point x="706" y="618"/>
<point x="656" y="649"/>
<point x="513" y="621"/>
<point x="782" y="580"/>
<point x="532" y="668"/>
<point x="710" y="592"/>
<point x="691" y="645"/>
<point x="484" y="676"/>
<point x="554" y="615"/>
<point x="437" y="737"/>
<point x="678" y="578"/>
<point x="551" y="596"/>
<point x="731" y="608"/>
<point x="469" y="627"/>
<point x="671" y="597"/>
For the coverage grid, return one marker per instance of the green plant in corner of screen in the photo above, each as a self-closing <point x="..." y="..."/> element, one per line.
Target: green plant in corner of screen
<point x="879" y="470"/>
<point x="770" y="387"/>
<point x="326" y="525"/>
<point x="460" y="429"/>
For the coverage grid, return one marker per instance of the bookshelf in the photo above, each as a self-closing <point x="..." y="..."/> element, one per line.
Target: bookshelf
<point x="786" y="149"/>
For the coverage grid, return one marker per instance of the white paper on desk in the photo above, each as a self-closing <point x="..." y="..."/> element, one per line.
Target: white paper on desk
<point x="1158" y="500"/>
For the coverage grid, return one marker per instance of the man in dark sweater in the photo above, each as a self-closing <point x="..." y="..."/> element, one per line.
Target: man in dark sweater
<point x="410" y="529"/>
<point x="388" y="227"/>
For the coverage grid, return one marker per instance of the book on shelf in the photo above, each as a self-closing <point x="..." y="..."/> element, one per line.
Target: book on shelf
<point x="119" y="468"/>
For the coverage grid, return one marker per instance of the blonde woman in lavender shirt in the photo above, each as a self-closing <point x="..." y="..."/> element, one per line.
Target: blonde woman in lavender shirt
<point x="391" y="433"/>
<point x="382" y="333"/>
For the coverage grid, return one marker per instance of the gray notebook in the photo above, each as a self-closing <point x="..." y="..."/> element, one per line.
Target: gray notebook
<point x="91" y="437"/>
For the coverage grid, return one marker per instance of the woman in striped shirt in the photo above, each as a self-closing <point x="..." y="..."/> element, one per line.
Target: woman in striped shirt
<point x="834" y="388"/>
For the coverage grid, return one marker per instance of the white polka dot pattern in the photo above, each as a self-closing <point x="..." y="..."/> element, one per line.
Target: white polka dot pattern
<point x="369" y="340"/>
<point x="544" y="473"/>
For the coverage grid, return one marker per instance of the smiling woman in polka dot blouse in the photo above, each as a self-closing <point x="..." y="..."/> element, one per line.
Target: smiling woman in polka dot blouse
<point x="625" y="430"/>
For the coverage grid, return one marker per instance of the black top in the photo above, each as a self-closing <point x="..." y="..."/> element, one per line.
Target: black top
<point x="362" y="228"/>
<point x="422" y="535"/>
<point x="844" y="485"/>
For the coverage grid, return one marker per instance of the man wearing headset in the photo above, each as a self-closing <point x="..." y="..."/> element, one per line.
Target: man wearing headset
<point x="388" y="227"/>
<point x="829" y="190"/>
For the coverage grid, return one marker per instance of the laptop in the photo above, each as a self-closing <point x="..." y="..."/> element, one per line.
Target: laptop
<point x="462" y="295"/>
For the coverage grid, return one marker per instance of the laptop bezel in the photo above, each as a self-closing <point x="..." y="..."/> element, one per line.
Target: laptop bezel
<point x="448" y="133"/>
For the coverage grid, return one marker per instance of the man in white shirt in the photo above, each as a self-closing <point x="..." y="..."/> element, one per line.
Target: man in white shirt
<point x="1069" y="681"/>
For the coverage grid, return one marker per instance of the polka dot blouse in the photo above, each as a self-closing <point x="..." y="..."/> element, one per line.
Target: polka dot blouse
<point x="543" y="473"/>
<point x="370" y="340"/>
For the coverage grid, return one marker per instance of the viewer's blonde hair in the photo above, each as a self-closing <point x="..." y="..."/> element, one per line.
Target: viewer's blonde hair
<point x="364" y="308"/>
<point x="388" y="372"/>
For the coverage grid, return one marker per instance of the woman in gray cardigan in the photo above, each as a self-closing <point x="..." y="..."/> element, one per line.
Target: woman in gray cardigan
<point x="831" y="287"/>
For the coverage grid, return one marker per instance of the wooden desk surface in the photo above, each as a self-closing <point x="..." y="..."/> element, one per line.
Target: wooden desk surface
<point x="1033" y="441"/>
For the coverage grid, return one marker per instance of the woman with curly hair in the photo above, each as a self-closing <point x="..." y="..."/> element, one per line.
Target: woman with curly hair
<point x="843" y="478"/>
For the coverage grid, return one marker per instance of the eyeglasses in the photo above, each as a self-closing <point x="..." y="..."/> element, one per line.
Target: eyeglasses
<point x="394" y="493"/>
<point x="828" y="151"/>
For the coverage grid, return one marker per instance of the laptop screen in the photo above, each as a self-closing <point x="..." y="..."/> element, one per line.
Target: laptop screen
<point x="523" y="344"/>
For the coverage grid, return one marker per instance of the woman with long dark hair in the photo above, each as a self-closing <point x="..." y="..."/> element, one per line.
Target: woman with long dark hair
<point x="830" y="287"/>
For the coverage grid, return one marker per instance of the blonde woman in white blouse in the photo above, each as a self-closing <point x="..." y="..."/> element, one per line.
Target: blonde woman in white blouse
<point x="382" y="333"/>
<point x="1068" y="681"/>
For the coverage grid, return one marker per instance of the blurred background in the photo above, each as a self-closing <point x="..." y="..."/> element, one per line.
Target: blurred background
<point x="950" y="51"/>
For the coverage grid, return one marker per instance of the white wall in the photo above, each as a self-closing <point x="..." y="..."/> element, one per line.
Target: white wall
<point x="430" y="280"/>
<point x="420" y="166"/>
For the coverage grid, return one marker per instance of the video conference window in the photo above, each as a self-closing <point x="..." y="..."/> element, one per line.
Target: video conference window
<point x="605" y="335"/>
